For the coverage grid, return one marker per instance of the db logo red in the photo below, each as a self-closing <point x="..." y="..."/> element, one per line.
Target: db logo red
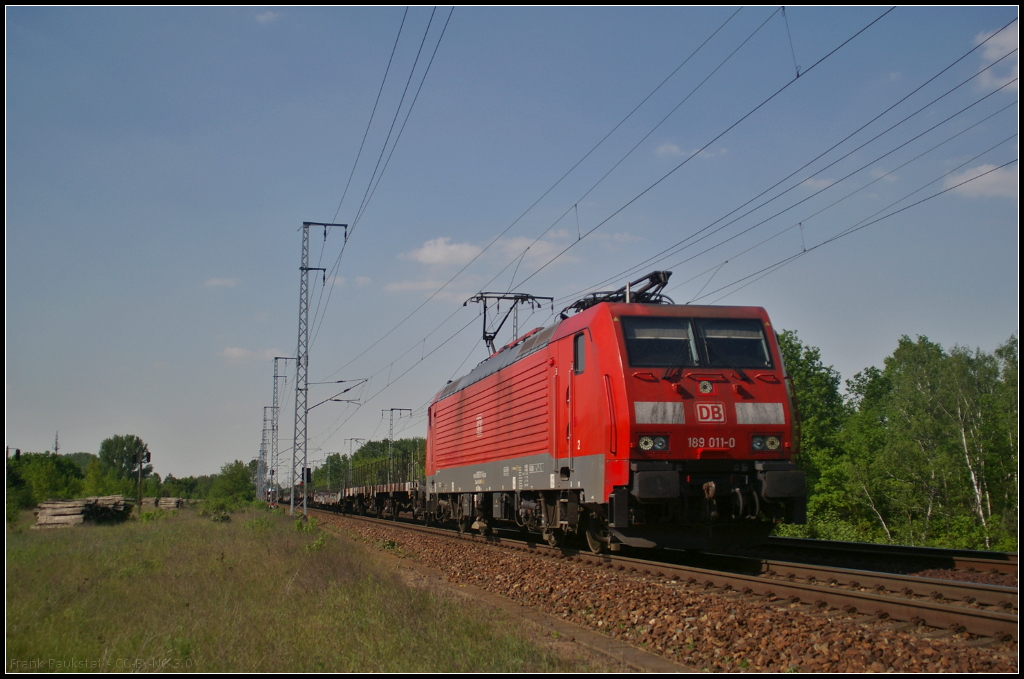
<point x="710" y="412"/>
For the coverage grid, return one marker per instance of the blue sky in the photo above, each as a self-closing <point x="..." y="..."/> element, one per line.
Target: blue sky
<point x="161" y="161"/>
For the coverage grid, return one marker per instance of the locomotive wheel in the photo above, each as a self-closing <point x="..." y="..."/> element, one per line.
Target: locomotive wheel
<point x="597" y="535"/>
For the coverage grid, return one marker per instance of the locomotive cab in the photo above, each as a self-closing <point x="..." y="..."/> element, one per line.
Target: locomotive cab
<point x="710" y="435"/>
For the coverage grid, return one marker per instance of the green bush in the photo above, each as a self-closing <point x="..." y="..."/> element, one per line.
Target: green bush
<point x="154" y="515"/>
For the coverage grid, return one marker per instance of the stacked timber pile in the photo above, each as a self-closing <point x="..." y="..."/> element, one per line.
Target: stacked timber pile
<point x="66" y="513"/>
<point x="169" y="503"/>
<point x="150" y="502"/>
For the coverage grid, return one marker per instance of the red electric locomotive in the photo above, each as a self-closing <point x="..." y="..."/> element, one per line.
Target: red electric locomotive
<point x="633" y="421"/>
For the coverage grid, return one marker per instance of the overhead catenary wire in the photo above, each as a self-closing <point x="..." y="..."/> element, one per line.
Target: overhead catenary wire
<point x="408" y="112"/>
<point x="835" y="183"/>
<point x="713" y="140"/>
<point x="804" y="220"/>
<point x="372" y="113"/>
<point x="538" y="200"/>
<point x="366" y="199"/>
<point x="652" y="259"/>
<point x="705" y="146"/>
<point x="637" y="145"/>
<point x="359" y="154"/>
<point x="861" y="225"/>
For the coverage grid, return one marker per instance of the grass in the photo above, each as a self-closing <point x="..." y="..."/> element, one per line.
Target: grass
<point x="250" y="594"/>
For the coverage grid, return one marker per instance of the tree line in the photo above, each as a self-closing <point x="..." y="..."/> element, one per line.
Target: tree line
<point x="371" y="464"/>
<point x="922" y="451"/>
<point x="36" y="477"/>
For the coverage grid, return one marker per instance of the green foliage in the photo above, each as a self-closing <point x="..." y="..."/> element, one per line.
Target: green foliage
<point x="234" y="483"/>
<point x="259" y="524"/>
<point x="934" y="461"/>
<point x="192" y="487"/>
<point x="368" y="465"/>
<point x="304" y="525"/>
<point x="155" y="515"/>
<point x="122" y="456"/>
<point x="81" y="459"/>
<point x="45" y="476"/>
<point x="103" y="481"/>
<point x="923" y="451"/>
<point x="316" y="545"/>
<point x="822" y="412"/>
<point x="18" y="493"/>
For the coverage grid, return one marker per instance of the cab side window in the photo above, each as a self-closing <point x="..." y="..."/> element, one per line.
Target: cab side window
<point x="579" y="356"/>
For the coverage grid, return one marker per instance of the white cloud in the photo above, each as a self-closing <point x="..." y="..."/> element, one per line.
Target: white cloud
<point x="669" y="150"/>
<point x="1009" y="68"/>
<point x="362" y="281"/>
<point x="221" y="283"/>
<point x="617" y="237"/>
<point x="514" y="247"/>
<point x="818" y="184"/>
<point x="879" y="173"/>
<point x="406" y="286"/>
<point x="240" y="355"/>
<point x="440" y="252"/>
<point x="1000" y="183"/>
<point x="267" y="17"/>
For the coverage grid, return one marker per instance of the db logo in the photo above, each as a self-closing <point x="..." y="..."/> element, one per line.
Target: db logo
<point x="710" y="412"/>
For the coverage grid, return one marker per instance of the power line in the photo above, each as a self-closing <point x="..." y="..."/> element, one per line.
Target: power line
<point x="860" y="225"/>
<point x="706" y="145"/>
<point x="667" y="251"/>
<point x="368" y="198"/>
<point x="836" y="202"/>
<point x="538" y="200"/>
<point x="839" y="181"/>
<point x="372" y="113"/>
<point x="635" y="198"/>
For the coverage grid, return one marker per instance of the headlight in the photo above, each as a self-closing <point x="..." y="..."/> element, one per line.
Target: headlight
<point x="772" y="443"/>
<point x="646" y="443"/>
<point x="661" y="443"/>
<point x="758" y="443"/>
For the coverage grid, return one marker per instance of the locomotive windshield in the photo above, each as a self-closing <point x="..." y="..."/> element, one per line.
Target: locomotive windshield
<point x="737" y="342"/>
<point x="654" y="342"/>
<point x="669" y="342"/>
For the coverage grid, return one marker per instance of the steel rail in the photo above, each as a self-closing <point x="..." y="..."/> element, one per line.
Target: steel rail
<point x="936" y="557"/>
<point x="880" y="603"/>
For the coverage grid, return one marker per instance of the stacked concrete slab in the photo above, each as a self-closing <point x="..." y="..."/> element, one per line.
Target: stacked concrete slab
<point x="67" y="513"/>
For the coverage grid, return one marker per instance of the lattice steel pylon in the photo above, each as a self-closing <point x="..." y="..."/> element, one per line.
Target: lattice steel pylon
<point x="275" y="462"/>
<point x="261" y="463"/>
<point x="299" y="462"/>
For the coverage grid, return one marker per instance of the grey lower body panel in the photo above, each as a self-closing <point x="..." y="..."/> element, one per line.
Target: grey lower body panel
<point x="534" y="472"/>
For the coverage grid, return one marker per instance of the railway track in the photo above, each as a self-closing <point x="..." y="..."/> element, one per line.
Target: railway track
<point x="900" y="558"/>
<point x="979" y="609"/>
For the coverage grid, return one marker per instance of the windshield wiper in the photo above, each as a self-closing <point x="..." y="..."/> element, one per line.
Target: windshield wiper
<point x="729" y="364"/>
